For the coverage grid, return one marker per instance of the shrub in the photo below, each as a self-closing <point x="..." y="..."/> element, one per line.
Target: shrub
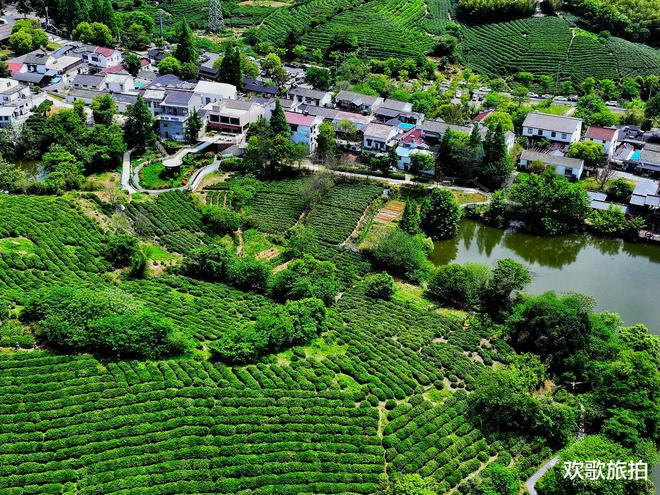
<point x="441" y="215"/>
<point x="121" y="249"/>
<point x="460" y="285"/>
<point x="380" y="286"/>
<point x="220" y="220"/>
<point x="404" y="255"/>
<point x="305" y="278"/>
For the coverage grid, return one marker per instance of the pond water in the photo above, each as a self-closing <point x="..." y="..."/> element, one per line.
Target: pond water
<point x="622" y="276"/>
<point x="32" y="168"/>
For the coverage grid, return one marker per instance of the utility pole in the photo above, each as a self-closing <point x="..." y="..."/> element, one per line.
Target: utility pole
<point x="160" y="19"/>
<point x="216" y="19"/>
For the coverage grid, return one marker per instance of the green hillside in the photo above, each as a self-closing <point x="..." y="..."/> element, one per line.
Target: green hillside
<point x="383" y="392"/>
<point x="548" y="46"/>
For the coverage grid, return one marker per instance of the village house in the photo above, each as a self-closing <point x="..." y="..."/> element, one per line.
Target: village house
<point x="357" y="102"/>
<point x="16" y="101"/>
<point x="213" y="92"/>
<point x="379" y="137"/>
<point x="207" y="69"/>
<point x="253" y="86"/>
<point x="568" y="167"/>
<point x="607" y="136"/>
<point x="391" y="110"/>
<point x="554" y="128"/>
<point x="233" y="116"/>
<point x="410" y="144"/>
<point x="310" y="96"/>
<point x="648" y="158"/>
<point x="176" y="109"/>
<point x="646" y="195"/>
<point x="88" y="81"/>
<point x="304" y="129"/>
<point x="99" y="56"/>
<point x="120" y="83"/>
<point x="328" y="114"/>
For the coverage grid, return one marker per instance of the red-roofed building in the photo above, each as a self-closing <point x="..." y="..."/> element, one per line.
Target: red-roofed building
<point x="304" y="128"/>
<point x="412" y="139"/>
<point x="607" y="136"/>
<point x="479" y="119"/>
<point x="99" y="56"/>
<point x="14" y="67"/>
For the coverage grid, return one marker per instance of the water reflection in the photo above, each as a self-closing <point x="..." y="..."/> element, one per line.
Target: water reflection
<point x="622" y="276"/>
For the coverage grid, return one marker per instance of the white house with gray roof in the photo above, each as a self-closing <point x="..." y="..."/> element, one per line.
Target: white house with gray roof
<point x="568" y="167"/>
<point x="555" y="128"/>
<point x="175" y="110"/>
<point x="357" y="102"/>
<point x="379" y="137"/>
<point x="308" y="96"/>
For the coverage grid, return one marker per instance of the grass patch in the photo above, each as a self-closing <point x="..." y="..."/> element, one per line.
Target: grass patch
<point x="319" y="349"/>
<point x="435" y="395"/>
<point x="156" y="253"/>
<point x="19" y="245"/>
<point x="254" y="242"/>
<point x="464" y="197"/>
<point x="591" y="184"/>
<point x="412" y="295"/>
<point x="347" y="383"/>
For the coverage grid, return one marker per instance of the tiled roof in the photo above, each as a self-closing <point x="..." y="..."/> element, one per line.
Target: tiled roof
<point x="600" y="133"/>
<point x="106" y="52"/>
<point x="378" y="130"/>
<point x="563" y="161"/>
<point x="300" y="119"/>
<point x="548" y="122"/>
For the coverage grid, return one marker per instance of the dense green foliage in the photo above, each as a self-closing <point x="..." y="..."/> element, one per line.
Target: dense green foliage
<point x="441" y="214"/>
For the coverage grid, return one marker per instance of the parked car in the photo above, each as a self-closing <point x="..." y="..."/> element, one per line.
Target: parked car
<point x="546" y="97"/>
<point x="612" y="103"/>
<point x="573" y="98"/>
<point x="532" y="95"/>
<point x="560" y="98"/>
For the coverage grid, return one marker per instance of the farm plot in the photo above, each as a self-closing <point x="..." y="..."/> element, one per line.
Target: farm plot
<point x="74" y="424"/>
<point x="336" y="216"/>
<point x="171" y="219"/>
<point x="547" y="46"/>
<point x="439" y="13"/>
<point x="385" y="29"/>
<point x="45" y="241"/>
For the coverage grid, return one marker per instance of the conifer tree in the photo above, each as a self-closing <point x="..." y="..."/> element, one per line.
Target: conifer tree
<point x="138" y="131"/>
<point x="193" y="126"/>
<point x="410" y="220"/>
<point x="230" y="69"/>
<point x="102" y="11"/>
<point x="186" y="48"/>
<point x="497" y="164"/>
<point x="278" y="123"/>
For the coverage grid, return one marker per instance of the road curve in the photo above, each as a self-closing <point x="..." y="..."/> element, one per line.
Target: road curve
<point x="531" y="482"/>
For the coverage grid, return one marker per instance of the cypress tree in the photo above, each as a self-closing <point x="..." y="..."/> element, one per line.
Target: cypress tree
<point x="410" y="220"/>
<point x="278" y="123"/>
<point x="102" y="11"/>
<point x="230" y="69"/>
<point x="193" y="126"/>
<point x="138" y="131"/>
<point x="186" y="48"/>
<point x="497" y="164"/>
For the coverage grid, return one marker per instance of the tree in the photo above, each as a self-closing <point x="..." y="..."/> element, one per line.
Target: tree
<point x="460" y="286"/>
<point x="120" y="249"/>
<point x="209" y="262"/>
<point x="551" y="326"/>
<point x="325" y="142"/>
<point x="306" y="277"/>
<point x="12" y="178"/>
<point x="102" y="11"/>
<point x="592" y="153"/>
<point x="501" y="119"/>
<point x="319" y="77"/>
<point x="456" y="155"/>
<point x="410" y="220"/>
<point x="278" y="124"/>
<point x="508" y="278"/>
<point x="421" y="162"/>
<point x="620" y="190"/>
<point x="230" y="71"/>
<point x="441" y="215"/>
<point x="169" y="65"/>
<point x="652" y="109"/>
<point x="498" y="479"/>
<point x="272" y="64"/>
<point x="186" y="48"/>
<point x="593" y="111"/>
<point x="104" y="109"/>
<point x="64" y="170"/>
<point x="4" y="69"/>
<point x="221" y="220"/>
<point x="21" y="42"/>
<point x="403" y="255"/>
<point x="193" y="127"/>
<point x="300" y="240"/>
<point x="380" y="286"/>
<point x="96" y="33"/>
<point x="138" y="130"/>
<point x="414" y="484"/>
<point x="548" y="203"/>
<point x="132" y="63"/>
<point x="189" y="70"/>
<point x="497" y="163"/>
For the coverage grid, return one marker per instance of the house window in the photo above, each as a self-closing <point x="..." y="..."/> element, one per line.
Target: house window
<point x="553" y="134"/>
<point x="529" y="131"/>
<point x="294" y="127"/>
<point x="539" y="132"/>
<point x="563" y="136"/>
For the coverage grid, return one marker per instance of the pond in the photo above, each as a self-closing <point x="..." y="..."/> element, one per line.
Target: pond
<point x="32" y="168"/>
<point x="622" y="276"/>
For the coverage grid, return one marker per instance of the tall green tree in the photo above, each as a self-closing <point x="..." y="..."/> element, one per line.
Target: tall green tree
<point x="230" y="71"/>
<point x="104" y="109"/>
<point x="193" y="126"/>
<point x="138" y="130"/>
<point x="326" y="147"/>
<point x="278" y="123"/>
<point x="132" y="63"/>
<point x="410" y="220"/>
<point x="441" y="215"/>
<point x="102" y="11"/>
<point x="497" y="164"/>
<point x="186" y="48"/>
<point x="73" y="12"/>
